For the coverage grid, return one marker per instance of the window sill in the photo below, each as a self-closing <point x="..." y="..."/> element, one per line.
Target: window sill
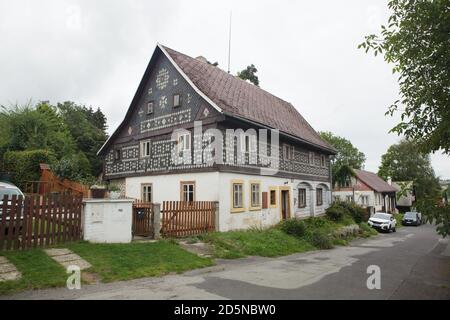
<point x="273" y="206"/>
<point x="254" y="209"/>
<point x="237" y="210"/>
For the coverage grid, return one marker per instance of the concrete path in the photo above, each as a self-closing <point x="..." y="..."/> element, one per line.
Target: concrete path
<point x="414" y="264"/>
<point x="8" y="271"/>
<point x="66" y="258"/>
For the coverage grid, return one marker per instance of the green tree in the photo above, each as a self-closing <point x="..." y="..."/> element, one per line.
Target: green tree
<point x="34" y="127"/>
<point x="249" y="73"/>
<point x="348" y="157"/>
<point x="402" y="162"/>
<point x="88" y="128"/>
<point x="417" y="42"/>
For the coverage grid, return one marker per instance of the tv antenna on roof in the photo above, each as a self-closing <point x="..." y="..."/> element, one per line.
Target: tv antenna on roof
<point x="229" y="43"/>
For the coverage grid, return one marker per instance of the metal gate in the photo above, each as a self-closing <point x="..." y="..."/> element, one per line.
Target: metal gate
<point x="143" y="219"/>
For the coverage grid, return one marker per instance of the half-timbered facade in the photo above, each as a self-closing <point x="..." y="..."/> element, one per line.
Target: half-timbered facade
<point x="177" y="93"/>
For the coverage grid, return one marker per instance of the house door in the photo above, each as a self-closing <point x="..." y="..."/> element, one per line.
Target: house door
<point x="285" y="214"/>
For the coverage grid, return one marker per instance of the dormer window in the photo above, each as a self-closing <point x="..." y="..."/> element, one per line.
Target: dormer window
<point x="176" y="100"/>
<point x="150" y="107"/>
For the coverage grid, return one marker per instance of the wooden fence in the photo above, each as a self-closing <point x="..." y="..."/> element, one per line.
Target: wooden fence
<point x="37" y="221"/>
<point x="142" y="224"/>
<point x="181" y="219"/>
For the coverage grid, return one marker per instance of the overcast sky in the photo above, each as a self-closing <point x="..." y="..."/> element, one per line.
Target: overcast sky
<point x="95" y="52"/>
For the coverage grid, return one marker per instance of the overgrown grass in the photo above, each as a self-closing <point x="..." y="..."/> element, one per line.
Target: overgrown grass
<point x="285" y="238"/>
<point x="137" y="260"/>
<point x="266" y="243"/>
<point x="38" y="271"/>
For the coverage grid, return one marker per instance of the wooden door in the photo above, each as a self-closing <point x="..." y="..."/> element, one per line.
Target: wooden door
<point x="285" y="204"/>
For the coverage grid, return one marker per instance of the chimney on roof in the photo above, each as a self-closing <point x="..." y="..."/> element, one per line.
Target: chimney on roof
<point x="202" y="59"/>
<point x="389" y="181"/>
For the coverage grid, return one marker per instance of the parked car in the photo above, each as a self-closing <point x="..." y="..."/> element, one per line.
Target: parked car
<point x="383" y="222"/>
<point x="412" y="219"/>
<point x="9" y="190"/>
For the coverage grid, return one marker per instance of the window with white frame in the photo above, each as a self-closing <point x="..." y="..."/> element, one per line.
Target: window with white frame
<point x="176" y="100"/>
<point x="322" y="161"/>
<point x="184" y="142"/>
<point x="117" y="154"/>
<point x="288" y="151"/>
<point x="150" y="107"/>
<point x="249" y="143"/>
<point x="301" y="197"/>
<point x="238" y="194"/>
<point x="188" y="191"/>
<point x="147" y="192"/>
<point x="146" y="148"/>
<point x="255" y="195"/>
<point x="311" y="158"/>
<point x="319" y="196"/>
<point x="349" y="199"/>
<point x="365" y="200"/>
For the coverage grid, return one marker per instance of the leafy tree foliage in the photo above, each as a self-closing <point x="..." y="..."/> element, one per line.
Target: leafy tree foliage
<point x="88" y="128"/>
<point x="249" y="73"/>
<point x="348" y="157"/>
<point x="30" y="128"/>
<point x="71" y="133"/>
<point x="417" y="42"/>
<point x="402" y="162"/>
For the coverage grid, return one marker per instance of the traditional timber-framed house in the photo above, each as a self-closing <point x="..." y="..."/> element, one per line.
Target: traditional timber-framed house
<point x="369" y="191"/>
<point x="177" y="92"/>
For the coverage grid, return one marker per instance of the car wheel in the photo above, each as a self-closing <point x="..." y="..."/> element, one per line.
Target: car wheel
<point x="394" y="229"/>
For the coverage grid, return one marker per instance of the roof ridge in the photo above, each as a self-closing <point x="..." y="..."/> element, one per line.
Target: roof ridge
<point x="258" y="103"/>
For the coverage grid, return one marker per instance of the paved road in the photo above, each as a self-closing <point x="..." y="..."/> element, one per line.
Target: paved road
<point x="414" y="264"/>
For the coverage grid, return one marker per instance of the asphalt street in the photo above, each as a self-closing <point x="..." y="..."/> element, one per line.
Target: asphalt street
<point x="414" y="263"/>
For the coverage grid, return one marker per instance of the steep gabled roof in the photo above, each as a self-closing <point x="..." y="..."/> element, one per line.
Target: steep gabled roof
<point x="374" y="181"/>
<point x="241" y="99"/>
<point x="233" y="97"/>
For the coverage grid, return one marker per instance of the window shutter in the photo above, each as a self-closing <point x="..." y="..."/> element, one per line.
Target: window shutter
<point x="264" y="200"/>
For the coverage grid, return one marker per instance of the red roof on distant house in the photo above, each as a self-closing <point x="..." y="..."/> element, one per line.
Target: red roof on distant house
<point x="374" y="181"/>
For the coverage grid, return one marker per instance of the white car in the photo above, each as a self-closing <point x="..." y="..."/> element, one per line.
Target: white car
<point x="383" y="222"/>
<point x="9" y="190"/>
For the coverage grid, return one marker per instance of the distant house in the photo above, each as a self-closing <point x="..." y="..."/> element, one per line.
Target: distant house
<point x="406" y="200"/>
<point x="368" y="190"/>
<point x="177" y="92"/>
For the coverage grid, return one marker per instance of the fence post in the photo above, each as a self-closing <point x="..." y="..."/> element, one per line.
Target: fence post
<point x="156" y="220"/>
<point x="216" y="215"/>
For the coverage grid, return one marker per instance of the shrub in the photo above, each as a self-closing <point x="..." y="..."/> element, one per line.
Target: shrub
<point x="358" y="213"/>
<point x="25" y="164"/>
<point x="293" y="227"/>
<point x="336" y="212"/>
<point x="321" y="240"/>
<point x="74" y="167"/>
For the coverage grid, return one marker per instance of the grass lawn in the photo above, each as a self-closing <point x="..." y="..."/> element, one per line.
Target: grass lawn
<point x="136" y="260"/>
<point x="267" y="243"/>
<point x="38" y="271"/>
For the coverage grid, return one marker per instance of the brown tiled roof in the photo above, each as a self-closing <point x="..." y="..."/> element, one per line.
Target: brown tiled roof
<point x="241" y="99"/>
<point x="374" y="181"/>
